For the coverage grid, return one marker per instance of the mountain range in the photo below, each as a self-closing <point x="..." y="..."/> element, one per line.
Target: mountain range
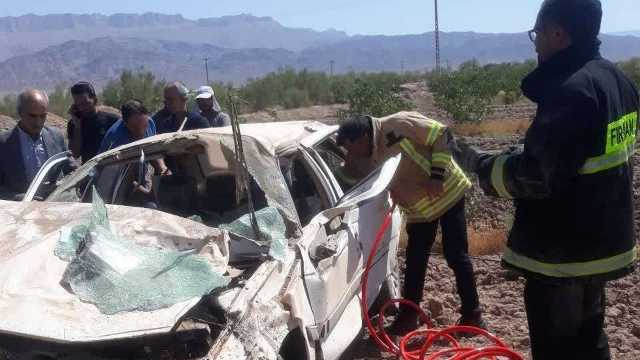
<point x="43" y="51"/>
<point x="627" y="33"/>
<point x="30" y="33"/>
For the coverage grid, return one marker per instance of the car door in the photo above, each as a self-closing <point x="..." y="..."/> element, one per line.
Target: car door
<point x="333" y="261"/>
<point x="321" y="146"/>
<point x="76" y="187"/>
<point x="47" y="178"/>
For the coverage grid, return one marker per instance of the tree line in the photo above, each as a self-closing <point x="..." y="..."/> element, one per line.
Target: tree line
<point x="283" y="89"/>
<point x="466" y="93"/>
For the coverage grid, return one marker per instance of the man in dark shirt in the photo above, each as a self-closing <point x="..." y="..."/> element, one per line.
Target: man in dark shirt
<point x="210" y="108"/>
<point x="175" y="116"/>
<point x="87" y="126"/>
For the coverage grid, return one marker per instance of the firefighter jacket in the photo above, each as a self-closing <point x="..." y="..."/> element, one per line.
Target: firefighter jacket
<point x="572" y="181"/>
<point x="426" y="156"/>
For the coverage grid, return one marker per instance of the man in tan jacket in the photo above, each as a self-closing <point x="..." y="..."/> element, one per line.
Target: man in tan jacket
<point x="430" y="186"/>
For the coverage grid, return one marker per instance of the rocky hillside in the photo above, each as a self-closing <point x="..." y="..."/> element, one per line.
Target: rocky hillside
<point x="103" y="59"/>
<point x="43" y="51"/>
<point x="24" y="34"/>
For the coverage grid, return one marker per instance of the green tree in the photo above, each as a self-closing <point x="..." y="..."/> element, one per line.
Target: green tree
<point x="290" y="88"/>
<point x="8" y="105"/>
<point x="141" y="85"/>
<point x="374" y="98"/>
<point x="222" y="92"/>
<point x="632" y="69"/>
<point x="60" y="100"/>
<point x="467" y="92"/>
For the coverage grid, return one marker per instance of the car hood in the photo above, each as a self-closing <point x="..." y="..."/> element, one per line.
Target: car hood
<point x="33" y="302"/>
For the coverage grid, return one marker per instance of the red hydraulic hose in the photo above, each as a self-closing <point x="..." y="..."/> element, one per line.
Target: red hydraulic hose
<point x="428" y="337"/>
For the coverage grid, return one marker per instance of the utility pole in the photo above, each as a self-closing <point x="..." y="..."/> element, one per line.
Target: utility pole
<point x="206" y="68"/>
<point x="437" y="36"/>
<point x="332" y="64"/>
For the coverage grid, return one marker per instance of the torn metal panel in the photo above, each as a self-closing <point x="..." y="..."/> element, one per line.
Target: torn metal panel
<point x="258" y="335"/>
<point x="271" y="227"/>
<point x="256" y="313"/>
<point x="263" y="331"/>
<point x="33" y="302"/>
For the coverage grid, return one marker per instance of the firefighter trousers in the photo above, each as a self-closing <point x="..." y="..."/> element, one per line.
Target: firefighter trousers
<point x="455" y="247"/>
<point x="566" y="320"/>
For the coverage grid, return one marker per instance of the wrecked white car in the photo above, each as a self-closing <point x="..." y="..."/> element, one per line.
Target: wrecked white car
<point x="210" y="274"/>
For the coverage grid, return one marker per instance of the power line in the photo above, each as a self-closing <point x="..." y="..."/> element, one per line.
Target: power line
<point x="437" y="36"/>
<point x="206" y="68"/>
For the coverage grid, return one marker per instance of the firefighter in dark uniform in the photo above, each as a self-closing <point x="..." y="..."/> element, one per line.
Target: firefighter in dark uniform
<point x="571" y="182"/>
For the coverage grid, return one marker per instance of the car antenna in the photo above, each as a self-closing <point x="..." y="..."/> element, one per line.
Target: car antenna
<point x="240" y="159"/>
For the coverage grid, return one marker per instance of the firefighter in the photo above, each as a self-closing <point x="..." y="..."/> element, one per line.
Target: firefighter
<point x="571" y="182"/>
<point x="430" y="186"/>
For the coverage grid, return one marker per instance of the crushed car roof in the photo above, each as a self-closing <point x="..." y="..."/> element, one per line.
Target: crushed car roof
<point x="279" y="138"/>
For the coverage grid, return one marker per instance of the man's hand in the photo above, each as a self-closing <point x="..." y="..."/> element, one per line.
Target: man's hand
<point x="467" y="156"/>
<point x="434" y="187"/>
<point x="161" y="167"/>
<point x="141" y="188"/>
<point x="165" y="171"/>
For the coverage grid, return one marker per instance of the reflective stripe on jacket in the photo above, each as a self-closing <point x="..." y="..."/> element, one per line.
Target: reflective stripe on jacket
<point x="572" y="181"/>
<point x="426" y="156"/>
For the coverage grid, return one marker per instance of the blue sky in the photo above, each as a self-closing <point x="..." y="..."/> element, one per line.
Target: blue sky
<point x="352" y="16"/>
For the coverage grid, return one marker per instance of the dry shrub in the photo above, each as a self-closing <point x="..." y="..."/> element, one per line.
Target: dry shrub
<point x="56" y="121"/>
<point x="6" y="122"/>
<point x="489" y="242"/>
<point x="486" y="242"/>
<point x="492" y="127"/>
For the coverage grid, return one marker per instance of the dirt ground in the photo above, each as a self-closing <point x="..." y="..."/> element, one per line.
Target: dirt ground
<point x="501" y="295"/>
<point x="503" y="307"/>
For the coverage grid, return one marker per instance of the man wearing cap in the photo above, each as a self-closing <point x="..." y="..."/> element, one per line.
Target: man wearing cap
<point x="175" y="116"/>
<point x="572" y="183"/>
<point x="210" y="108"/>
<point x="87" y="126"/>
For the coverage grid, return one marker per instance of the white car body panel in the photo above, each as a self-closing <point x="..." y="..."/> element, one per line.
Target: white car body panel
<point x="318" y="298"/>
<point x="32" y="302"/>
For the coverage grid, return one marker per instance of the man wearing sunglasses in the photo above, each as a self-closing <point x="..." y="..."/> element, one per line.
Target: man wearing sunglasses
<point x="572" y="182"/>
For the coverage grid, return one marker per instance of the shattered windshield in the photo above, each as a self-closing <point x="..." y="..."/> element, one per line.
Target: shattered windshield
<point x="204" y="186"/>
<point x="118" y="275"/>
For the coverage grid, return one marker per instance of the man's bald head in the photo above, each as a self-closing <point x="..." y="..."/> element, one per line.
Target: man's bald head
<point x="175" y="97"/>
<point x="32" y="108"/>
<point x="31" y="96"/>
